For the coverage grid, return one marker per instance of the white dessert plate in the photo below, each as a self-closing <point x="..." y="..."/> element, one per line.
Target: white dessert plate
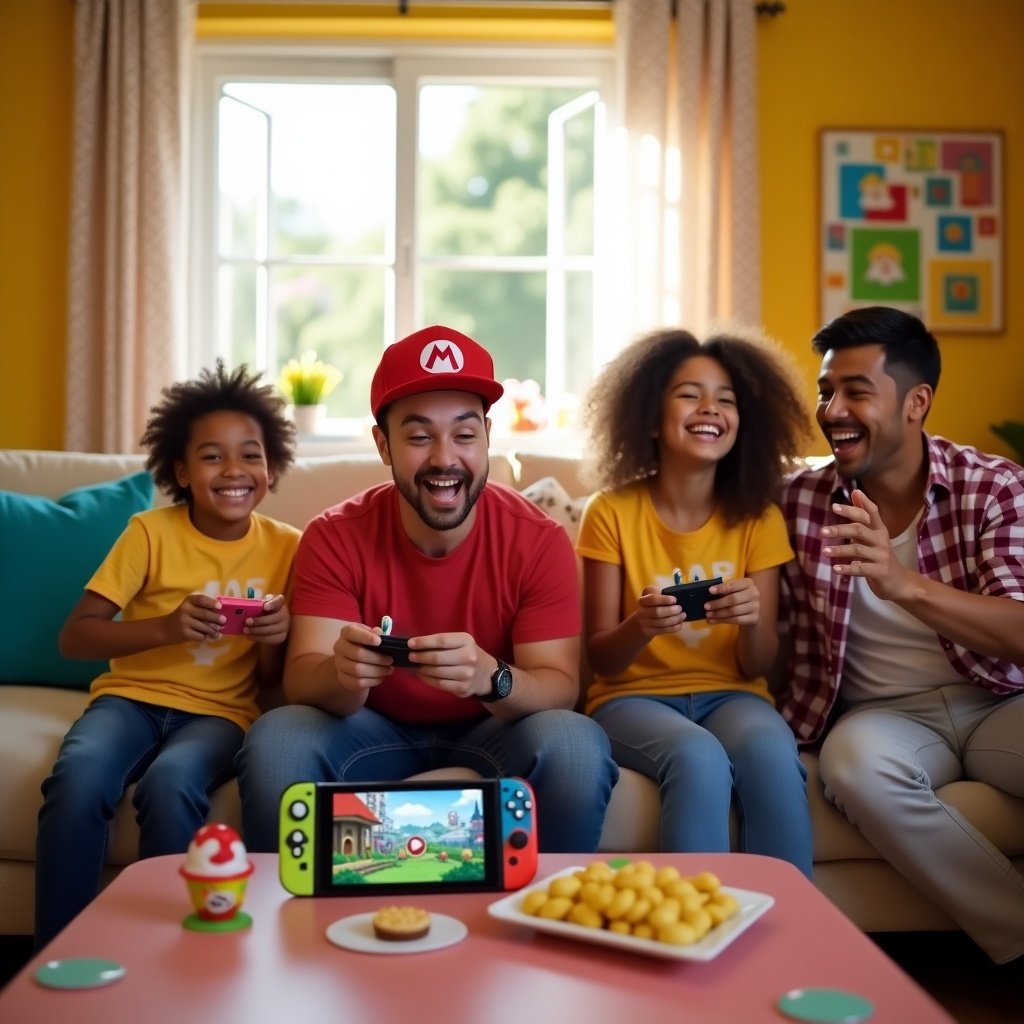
<point x="356" y="933"/>
<point x="752" y="906"/>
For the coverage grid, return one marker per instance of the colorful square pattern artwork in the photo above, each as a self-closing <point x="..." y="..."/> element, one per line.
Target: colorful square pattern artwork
<point x="913" y="219"/>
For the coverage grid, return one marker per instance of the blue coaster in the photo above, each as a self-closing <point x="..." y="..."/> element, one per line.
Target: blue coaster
<point x="79" y="972"/>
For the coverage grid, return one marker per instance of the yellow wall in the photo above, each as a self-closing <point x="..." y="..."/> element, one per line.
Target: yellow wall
<point x="900" y="63"/>
<point x="35" y="155"/>
<point x="874" y="63"/>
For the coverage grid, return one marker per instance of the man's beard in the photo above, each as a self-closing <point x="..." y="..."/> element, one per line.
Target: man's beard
<point x="449" y="519"/>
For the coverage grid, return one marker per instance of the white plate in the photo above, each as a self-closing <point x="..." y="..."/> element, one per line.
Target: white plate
<point x="752" y="906"/>
<point x="356" y="933"/>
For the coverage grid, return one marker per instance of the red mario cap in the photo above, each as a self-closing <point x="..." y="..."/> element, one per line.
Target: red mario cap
<point x="433" y="359"/>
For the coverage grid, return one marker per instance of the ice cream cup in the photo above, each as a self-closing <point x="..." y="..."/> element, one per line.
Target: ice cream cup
<point x="217" y="898"/>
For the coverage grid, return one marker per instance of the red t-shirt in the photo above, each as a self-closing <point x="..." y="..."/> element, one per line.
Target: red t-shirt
<point x="513" y="580"/>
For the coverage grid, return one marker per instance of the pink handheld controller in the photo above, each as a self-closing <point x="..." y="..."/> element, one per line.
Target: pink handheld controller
<point x="237" y="610"/>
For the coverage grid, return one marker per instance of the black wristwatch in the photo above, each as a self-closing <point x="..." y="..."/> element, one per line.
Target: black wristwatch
<point x="501" y="683"/>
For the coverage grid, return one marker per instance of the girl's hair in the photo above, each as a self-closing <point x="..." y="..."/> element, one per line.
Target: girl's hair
<point x="624" y="406"/>
<point x="170" y="423"/>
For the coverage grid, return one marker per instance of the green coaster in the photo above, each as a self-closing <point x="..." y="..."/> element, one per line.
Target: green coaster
<point x="825" y="1006"/>
<point x="195" y="923"/>
<point x="79" y="972"/>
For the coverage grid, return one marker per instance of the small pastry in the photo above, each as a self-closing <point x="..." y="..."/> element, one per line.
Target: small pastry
<point x="401" y="924"/>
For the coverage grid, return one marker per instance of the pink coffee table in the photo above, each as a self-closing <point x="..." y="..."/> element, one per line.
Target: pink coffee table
<point x="284" y="969"/>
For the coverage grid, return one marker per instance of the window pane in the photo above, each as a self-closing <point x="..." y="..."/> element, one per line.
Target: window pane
<point x="332" y="161"/>
<point x="579" y="332"/>
<point x="578" y="178"/>
<point x="237" y="318"/>
<point x="483" y="187"/>
<point x="339" y="313"/>
<point x="242" y="179"/>
<point x="503" y="310"/>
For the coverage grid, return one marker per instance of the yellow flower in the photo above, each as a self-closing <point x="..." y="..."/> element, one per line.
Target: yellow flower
<point x="307" y="381"/>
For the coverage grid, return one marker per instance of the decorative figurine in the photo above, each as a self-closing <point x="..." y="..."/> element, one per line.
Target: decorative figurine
<point x="217" y="870"/>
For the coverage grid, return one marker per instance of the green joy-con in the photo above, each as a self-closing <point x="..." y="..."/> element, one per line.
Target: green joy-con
<point x="297" y="838"/>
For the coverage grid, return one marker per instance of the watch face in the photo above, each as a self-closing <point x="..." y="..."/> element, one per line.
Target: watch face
<point x="502" y="681"/>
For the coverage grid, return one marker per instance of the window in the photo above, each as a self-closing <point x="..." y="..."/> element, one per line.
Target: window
<point x="342" y="202"/>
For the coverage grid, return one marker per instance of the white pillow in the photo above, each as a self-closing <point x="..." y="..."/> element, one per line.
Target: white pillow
<point x="551" y="497"/>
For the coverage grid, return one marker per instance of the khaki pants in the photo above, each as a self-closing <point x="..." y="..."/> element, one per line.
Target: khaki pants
<point x="882" y="762"/>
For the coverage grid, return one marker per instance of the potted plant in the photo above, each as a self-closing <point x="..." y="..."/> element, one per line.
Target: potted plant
<point x="306" y="382"/>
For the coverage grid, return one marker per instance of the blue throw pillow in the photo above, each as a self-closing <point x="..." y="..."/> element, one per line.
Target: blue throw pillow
<point x="48" y="552"/>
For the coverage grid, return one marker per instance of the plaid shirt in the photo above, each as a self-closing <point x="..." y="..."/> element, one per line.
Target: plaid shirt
<point x="971" y="536"/>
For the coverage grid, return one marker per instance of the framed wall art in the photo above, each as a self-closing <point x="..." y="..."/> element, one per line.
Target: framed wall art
<point x="913" y="219"/>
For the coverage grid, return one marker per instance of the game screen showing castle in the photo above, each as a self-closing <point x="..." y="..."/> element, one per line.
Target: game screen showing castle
<point x="411" y="836"/>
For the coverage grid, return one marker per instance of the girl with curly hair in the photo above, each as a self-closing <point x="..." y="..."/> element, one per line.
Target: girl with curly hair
<point x="171" y="712"/>
<point x="689" y="444"/>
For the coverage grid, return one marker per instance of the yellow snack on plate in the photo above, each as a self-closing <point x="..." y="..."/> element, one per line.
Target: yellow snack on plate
<point x="636" y="899"/>
<point x="556" y="908"/>
<point x="566" y="886"/>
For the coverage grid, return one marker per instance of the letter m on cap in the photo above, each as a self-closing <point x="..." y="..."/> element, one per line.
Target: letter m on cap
<point x="441" y="356"/>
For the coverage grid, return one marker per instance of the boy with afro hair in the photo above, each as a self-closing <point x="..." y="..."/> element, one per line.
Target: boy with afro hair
<point x="180" y="693"/>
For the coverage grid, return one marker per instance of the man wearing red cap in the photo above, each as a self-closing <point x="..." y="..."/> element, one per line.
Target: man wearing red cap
<point x="482" y="583"/>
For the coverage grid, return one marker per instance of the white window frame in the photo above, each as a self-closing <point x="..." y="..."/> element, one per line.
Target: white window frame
<point x="406" y="67"/>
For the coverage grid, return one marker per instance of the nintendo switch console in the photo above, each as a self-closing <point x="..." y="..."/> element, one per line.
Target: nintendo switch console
<point x="237" y="610"/>
<point x="691" y="596"/>
<point x="357" y="839"/>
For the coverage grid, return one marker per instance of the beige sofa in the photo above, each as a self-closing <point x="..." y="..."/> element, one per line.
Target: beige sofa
<point x="34" y="718"/>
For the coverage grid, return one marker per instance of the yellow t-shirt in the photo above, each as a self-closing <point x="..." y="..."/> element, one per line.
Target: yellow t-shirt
<point x="159" y="560"/>
<point x="623" y="528"/>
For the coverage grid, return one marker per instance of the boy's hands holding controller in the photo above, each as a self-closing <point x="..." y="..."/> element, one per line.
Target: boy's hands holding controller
<point x="196" y="618"/>
<point x="271" y="625"/>
<point x="200" y="617"/>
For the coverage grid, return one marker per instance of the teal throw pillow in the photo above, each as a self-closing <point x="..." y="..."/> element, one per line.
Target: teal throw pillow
<point x="48" y="552"/>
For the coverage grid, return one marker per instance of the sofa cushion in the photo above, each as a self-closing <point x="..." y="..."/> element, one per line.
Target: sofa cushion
<point x="564" y="467"/>
<point x="312" y="484"/>
<point x="48" y="551"/>
<point x="33" y="721"/>
<point x="551" y="497"/>
<point x="52" y="473"/>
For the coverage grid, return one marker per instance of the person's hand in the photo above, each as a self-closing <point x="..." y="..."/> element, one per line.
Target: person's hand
<point x="737" y="602"/>
<point x="658" y="613"/>
<point x="271" y="627"/>
<point x="196" y="618"/>
<point x="861" y="547"/>
<point x="452" y="662"/>
<point x="359" y="666"/>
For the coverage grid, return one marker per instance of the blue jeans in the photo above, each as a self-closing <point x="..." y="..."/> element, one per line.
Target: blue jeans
<point x="176" y="758"/>
<point x="563" y="755"/>
<point x="704" y="748"/>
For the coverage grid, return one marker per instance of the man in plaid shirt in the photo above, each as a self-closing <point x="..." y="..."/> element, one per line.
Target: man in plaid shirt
<point x="906" y="611"/>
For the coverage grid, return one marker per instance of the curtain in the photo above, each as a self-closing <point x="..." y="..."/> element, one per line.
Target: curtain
<point x="126" y="302"/>
<point x="690" y="237"/>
